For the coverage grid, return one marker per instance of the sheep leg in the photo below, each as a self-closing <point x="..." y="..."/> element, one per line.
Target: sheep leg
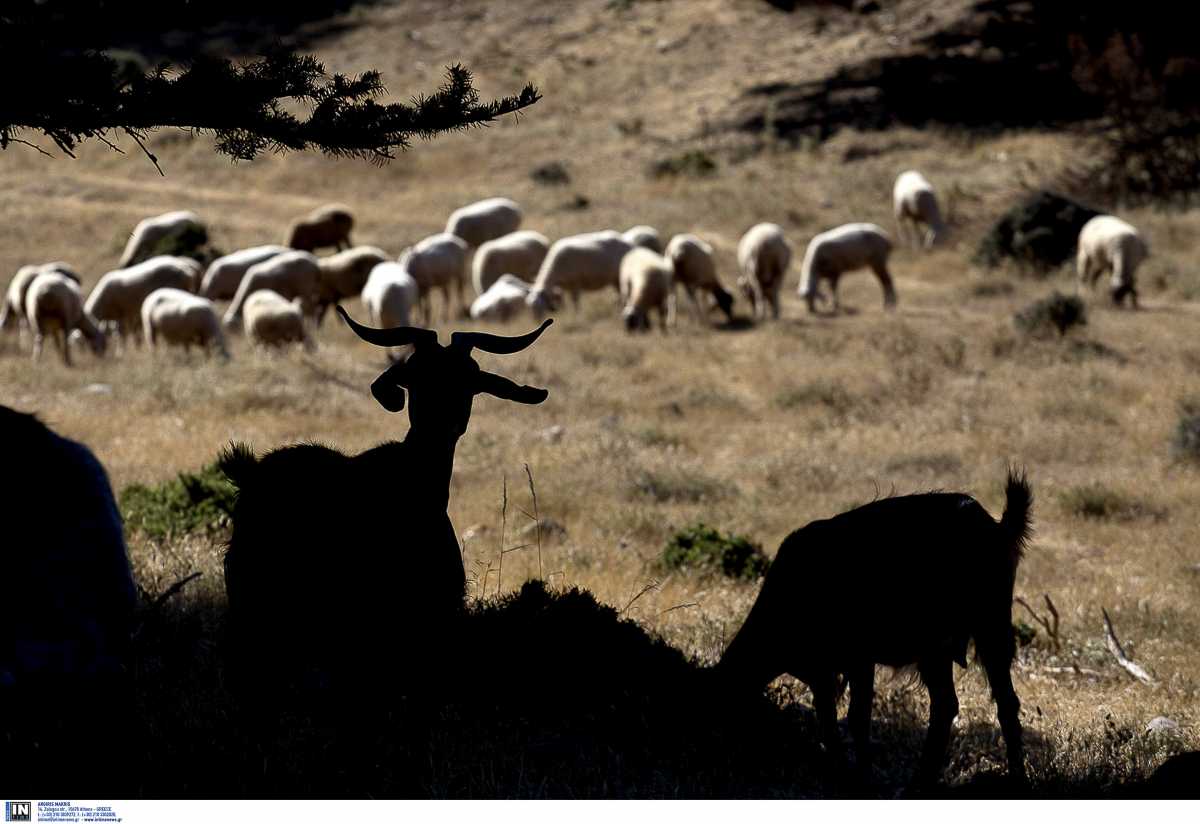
<point x="885" y="280"/>
<point x="1083" y="270"/>
<point x="996" y="654"/>
<point x="37" y="345"/>
<point x="575" y="298"/>
<point x="668" y="312"/>
<point x="938" y="676"/>
<point x="862" y="696"/>
<point x="64" y="346"/>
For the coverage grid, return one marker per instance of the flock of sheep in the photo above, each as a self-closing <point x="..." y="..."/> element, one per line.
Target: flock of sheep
<point x="279" y="294"/>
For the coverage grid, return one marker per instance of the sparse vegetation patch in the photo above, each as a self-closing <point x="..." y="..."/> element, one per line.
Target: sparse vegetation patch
<point x="703" y="547"/>
<point x="190" y="502"/>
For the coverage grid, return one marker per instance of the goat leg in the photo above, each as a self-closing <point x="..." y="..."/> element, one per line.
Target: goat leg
<point x="938" y="676"/>
<point x="825" y="694"/>
<point x="862" y="696"/>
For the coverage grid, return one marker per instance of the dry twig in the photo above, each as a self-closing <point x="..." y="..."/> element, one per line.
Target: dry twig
<point x="1049" y="624"/>
<point x="1114" y="646"/>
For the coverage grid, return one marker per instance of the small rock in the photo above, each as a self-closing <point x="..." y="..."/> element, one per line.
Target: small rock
<point x="476" y="531"/>
<point x="553" y="434"/>
<point x="98" y="389"/>
<point x="552" y="530"/>
<point x="1162" y="726"/>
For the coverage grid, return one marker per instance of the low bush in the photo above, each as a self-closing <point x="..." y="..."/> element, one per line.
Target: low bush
<point x="199" y="502"/>
<point x="702" y="547"/>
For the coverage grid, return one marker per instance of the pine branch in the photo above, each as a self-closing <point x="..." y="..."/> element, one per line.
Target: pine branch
<point x="72" y="96"/>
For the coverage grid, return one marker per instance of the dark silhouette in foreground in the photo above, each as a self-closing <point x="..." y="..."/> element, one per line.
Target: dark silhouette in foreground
<point x="899" y="582"/>
<point x="343" y="565"/>
<point x="66" y="614"/>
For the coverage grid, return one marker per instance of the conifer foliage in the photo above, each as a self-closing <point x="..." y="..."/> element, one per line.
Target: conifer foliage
<point x="62" y="83"/>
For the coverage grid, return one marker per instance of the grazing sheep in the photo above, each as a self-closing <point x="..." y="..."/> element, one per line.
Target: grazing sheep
<point x="390" y="296"/>
<point x="181" y="318"/>
<point x="344" y="275"/>
<point x="695" y="267"/>
<point x="439" y="261"/>
<point x="12" y="313"/>
<point x="323" y="227"/>
<point x="485" y="220"/>
<point x="1110" y="244"/>
<point x="519" y="253"/>
<point x="225" y="273"/>
<point x="150" y="236"/>
<point x="69" y="596"/>
<point x="764" y="256"/>
<point x="118" y="296"/>
<point x="579" y="263"/>
<point x="844" y="249"/>
<point x="647" y="282"/>
<point x="898" y="582"/>
<point x="271" y="320"/>
<point x="646" y="237"/>
<point x="916" y="205"/>
<point x="54" y="306"/>
<point x="333" y="592"/>
<point x="292" y="274"/>
<point x="502" y="300"/>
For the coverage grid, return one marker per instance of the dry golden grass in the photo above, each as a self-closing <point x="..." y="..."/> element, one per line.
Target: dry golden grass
<point x="756" y="431"/>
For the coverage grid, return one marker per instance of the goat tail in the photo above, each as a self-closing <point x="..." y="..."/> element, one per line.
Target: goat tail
<point x="1016" y="524"/>
<point x="238" y="462"/>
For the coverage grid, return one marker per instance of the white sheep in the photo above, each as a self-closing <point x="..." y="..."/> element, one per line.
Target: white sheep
<point x="149" y="235"/>
<point x="647" y="282"/>
<point x="844" y="249"/>
<point x="519" y="254"/>
<point x="437" y="262"/>
<point x="1110" y="244"/>
<point x="645" y="236"/>
<point x="695" y="267"/>
<point x="916" y="205"/>
<point x="579" y="263"/>
<point x="12" y="312"/>
<point x="67" y="611"/>
<point x="118" y="296"/>
<point x="293" y="274"/>
<point x="270" y="320"/>
<point x="390" y="296"/>
<point x="181" y="318"/>
<point x="324" y="226"/>
<point x="344" y="275"/>
<point x="484" y="220"/>
<point x="54" y="306"/>
<point x="764" y="256"/>
<point x="225" y="273"/>
<point x="502" y="300"/>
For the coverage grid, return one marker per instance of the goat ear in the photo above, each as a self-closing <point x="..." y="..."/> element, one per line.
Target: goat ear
<point x="501" y="387"/>
<point x="388" y="388"/>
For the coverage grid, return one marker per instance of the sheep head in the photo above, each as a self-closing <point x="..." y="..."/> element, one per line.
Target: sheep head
<point x="444" y="380"/>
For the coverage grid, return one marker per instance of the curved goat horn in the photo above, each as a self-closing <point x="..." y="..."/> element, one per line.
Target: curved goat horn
<point x="396" y="336"/>
<point x="497" y="344"/>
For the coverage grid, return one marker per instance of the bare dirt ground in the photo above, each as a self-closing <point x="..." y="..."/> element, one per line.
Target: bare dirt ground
<point x="756" y="431"/>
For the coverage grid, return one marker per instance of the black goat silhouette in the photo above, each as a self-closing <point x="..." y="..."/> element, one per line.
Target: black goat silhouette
<point x="353" y="561"/>
<point x="901" y="581"/>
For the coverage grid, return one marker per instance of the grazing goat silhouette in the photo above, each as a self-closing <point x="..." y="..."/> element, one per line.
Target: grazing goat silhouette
<point x="900" y="581"/>
<point x="353" y="560"/>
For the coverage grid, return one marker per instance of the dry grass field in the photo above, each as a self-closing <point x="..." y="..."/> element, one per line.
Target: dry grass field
<point x="755" y="431"/>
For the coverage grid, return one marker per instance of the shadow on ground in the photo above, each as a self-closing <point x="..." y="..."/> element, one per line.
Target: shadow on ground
<point x="546" y="694"/>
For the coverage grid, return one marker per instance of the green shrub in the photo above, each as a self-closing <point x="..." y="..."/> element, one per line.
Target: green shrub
<point x="1098" y="502"/>
<point x="1185" y="445"/>
<point x="678" y="486"/>
<point x="703" y="547"/>
<point x="200" y="502"/>
<point x="1058" y="312"/>
<point x="695" y="163"/>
